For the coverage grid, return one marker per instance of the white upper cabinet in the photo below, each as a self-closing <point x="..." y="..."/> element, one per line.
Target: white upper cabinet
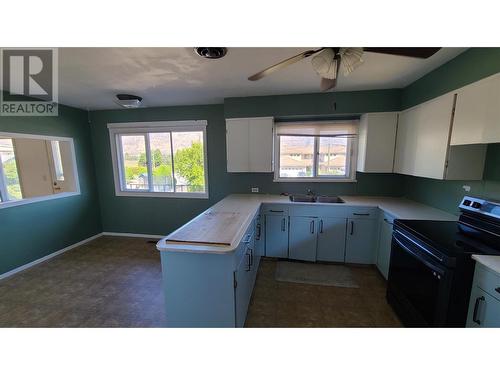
<point x="249" y="144"/>
<point x="377" y="140"/>
<point x="477" y="113"/>
<point x="423" y="144"/>
<point x="422" y="140"/>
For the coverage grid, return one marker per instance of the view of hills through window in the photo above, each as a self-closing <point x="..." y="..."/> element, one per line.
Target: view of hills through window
<point x="185" y="169"/>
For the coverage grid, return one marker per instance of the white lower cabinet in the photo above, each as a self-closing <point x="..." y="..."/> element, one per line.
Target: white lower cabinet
<point x="276" y="236"/>
<point x="384" y="244"/>
<point x="361" y="240"/>
<point x="303" y="238"/>
<point x="484" y="305"/>
<point x="331" y="239"/>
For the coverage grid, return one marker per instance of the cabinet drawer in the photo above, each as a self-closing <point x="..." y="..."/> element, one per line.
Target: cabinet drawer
<point x="275" y="209"/>
<point x="487" y="280"/>
<point x="363" y="213"/>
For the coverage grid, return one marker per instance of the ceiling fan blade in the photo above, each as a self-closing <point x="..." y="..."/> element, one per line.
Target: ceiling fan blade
<point x="284" y="63"/>
<point x="419" y="52"/>
<point x="327" y="84"/>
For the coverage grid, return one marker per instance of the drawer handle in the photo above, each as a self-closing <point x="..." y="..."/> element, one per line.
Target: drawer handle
<point x="357" y="214"/>
<point x="247" y="238"/>
<point x="277" y="211"/>
<point x="476" y="308"/>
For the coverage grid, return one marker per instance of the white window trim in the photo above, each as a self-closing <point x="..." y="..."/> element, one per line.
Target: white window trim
<point x="352" y="147"/>
<point x="141" y="128"/>
<point x="20" y="202"/>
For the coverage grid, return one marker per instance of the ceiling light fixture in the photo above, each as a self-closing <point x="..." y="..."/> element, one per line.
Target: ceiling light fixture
<point x="211" y="52"/>
<point x="128" y="100"/>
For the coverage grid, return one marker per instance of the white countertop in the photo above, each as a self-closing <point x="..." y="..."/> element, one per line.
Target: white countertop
<point x="489" y="261"/>
<point x="400" y="208"/>
<point x="249" y="204"/>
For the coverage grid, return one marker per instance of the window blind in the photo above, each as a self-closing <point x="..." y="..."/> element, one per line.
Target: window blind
<point x="346" y="129"/>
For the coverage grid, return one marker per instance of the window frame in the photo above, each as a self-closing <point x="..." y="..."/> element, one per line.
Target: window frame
<point x="351" y="160"/>
<point x="19" y="202"/>
<point x="145" y="128"/>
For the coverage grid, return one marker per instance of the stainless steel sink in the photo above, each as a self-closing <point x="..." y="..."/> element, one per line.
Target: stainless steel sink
<point x="325" y="199"/>
<point x="302" y="198"/>
<point x="313" y="199"/>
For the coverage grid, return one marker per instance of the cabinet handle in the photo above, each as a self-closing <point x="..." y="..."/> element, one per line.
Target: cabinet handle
<point x="321" y="226"/>
<point x="388" y="222"/>
<point x="283" y="223"/>
<point x="352" y="228"/>
<point x="277" y="211"/>
<point x="356" y="214"/>
<point x="476" y="307"/>
<point x="257" y="237"/>
<point x="249" y="262"/>
<point x="311" y="226"/>
<point x="251" y="257"/>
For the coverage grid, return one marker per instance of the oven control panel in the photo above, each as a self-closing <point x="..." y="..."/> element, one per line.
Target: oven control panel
<point x="479" y="205"/>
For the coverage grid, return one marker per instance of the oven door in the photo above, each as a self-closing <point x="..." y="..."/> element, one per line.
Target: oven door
<point x="418" y="285"/>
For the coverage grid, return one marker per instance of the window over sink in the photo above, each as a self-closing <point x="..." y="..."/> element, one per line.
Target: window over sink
<point x="320" y="151"/>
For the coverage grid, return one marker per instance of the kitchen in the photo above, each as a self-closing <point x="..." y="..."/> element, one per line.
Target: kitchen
<point x="317" y="193"/>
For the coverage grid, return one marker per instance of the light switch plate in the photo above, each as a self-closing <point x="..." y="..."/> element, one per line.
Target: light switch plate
<point x="255" y="190"/>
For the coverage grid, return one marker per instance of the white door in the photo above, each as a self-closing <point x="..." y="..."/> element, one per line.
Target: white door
<point x="423" y="138"/>
<point x="237" y="145"/>
<point x="260" y="137"/>
<point x="477" y="113"/>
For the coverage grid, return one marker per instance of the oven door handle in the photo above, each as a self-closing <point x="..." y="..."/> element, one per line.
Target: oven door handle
<point x="420" y="257"/>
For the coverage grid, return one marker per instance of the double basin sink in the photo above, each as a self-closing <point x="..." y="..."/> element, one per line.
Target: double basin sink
<point x="315" y="199"/>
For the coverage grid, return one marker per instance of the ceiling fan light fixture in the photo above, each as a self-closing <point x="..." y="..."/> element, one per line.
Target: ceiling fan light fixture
<point x="325" y="64"/>
<point x="350" y="58"/>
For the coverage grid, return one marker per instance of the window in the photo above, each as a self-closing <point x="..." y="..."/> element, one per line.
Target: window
<point x="316" y="151"/>
<point x="166" y="159"/>
<point x="35" y="168"/>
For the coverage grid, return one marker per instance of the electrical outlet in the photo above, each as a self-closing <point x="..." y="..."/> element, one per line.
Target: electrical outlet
<point x="466" y="188"/>
<point x="255" y="190"/>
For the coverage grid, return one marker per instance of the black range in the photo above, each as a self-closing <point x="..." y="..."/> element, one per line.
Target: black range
<point x="431" y="269"/>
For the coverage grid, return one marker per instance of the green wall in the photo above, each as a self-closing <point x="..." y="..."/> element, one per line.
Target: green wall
<point x="162" y="215"/>
<point x="29" y="232"/>
<point x="470" y="66"/>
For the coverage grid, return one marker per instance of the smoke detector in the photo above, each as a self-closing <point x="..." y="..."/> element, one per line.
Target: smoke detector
<point x="211" y="52"/>
<point x="128" y="101"/>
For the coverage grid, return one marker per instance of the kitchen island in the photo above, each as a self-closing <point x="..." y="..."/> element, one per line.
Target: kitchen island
<point x="210" y="264"/>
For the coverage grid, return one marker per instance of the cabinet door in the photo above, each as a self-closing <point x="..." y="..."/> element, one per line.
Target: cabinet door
<point x="243" y="290"/>
<point x="423" y="137"/>
<point x="277" y="236"/>
<point x="260" y="138"/>
<point x="384" y="246"/>
<point x="331" y="239"/>
<point x="303" y="238"/>
<point x="376" y="142"/>
<point x="237" y="146"/>
<point x="361" y="241"/>
<point x="484" y="310"/>
<point x="477" y="113"/>
<point x="259" y="236"/>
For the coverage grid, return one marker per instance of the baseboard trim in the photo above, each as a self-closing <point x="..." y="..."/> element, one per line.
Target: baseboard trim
<point x="138" y="235"/>
<point x="47" y="257"/>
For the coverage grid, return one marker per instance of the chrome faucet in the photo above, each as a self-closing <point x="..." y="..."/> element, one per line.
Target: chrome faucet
<point x="310" y="192"/>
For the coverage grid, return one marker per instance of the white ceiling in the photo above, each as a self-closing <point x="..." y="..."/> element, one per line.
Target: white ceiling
<point x="89" y="78"/>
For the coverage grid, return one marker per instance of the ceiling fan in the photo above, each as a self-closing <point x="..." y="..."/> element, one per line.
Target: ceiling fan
<point x="327" y="61"/>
